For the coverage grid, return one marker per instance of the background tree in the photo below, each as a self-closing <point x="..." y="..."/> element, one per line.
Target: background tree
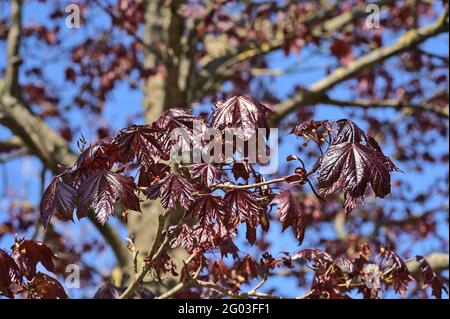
<point x="305" y="60"/>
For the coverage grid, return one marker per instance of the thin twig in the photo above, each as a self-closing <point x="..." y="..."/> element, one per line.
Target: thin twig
<point x="158" y="247"/>
<point x="232" y="294"/>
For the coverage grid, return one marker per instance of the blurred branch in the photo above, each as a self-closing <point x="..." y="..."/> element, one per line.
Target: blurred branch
<point x="237" y="295"/>
<point x="39" y="139"/>
<point x="316" y="92"/>
<point x="159" y="246"/>
<point x="13" y="48"/>
<point x="438" y="261"/>
<point x="215" y="70"/>
<point x="13" y="143"/>
<point x="390" y="103"/>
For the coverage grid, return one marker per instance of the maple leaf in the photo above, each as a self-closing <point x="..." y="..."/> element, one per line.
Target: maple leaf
<point x="9" y="274"/>
<point x="372" y="143"/>
<point x="142" y="141"/>
<point x="227" y="246"/>
<point x="208" y="208"/>
<point x="291" y="213"/>
<point x="240" y="112"/>
<point x="192" y="239"/>
<point x="172" y="189"/>
<point x="242" y="206"/>
<point x="100" y="155"/>
<point x="207" y="172"/>
<point x="173" y="119"/>
<point x="150" y="174"/>
<point x="348" y="131"/>
<point x="28" y="253"/>
<point x="43" y="286"/>
<point x="248" y="267"/>
<point x="400" y="273"/>
<point x="350" y="167"/>
<point x="103" y="189"/>
<point x="429" y="277"/>
<point x="57" y="199"/>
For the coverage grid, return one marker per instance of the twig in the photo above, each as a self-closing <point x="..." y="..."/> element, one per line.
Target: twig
<point x="184" y="284"/>
<point x="230" y="293"/>
<point x="158" y="247"/>
<point x="256" y="185"/>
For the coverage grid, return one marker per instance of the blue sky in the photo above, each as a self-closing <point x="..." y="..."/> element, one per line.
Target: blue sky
<point x="23" y="180"/>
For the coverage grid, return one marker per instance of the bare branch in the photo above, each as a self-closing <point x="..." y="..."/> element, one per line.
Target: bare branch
<point x="214" y="71"/>
<point x="35" y="134"/>
<point x="437" y="260"/>
<point x="316" y="92"/>
<point x="13" y="48"/>
<point x="390" y="103"/>
<point x="159" y="246"/>
<point x="238" y="295"/>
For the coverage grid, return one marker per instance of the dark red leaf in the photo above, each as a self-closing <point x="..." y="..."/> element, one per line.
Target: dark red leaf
<point x="45" y="287"/>
<point x="9" y="274"/>
<point x="309" y="129"/>
<point x="208" y="173"/>
<point x="241" y="112"/>
<point x="150" y="174"/>
<point x="242" y="205"/>
<point x="57" y="199"/>
<point x="173" y="119"/>
<point x="347" y="131"/>
<point x="100" y="155"/>
<point x="228" y="247"/>
<point x="199" y="238"/>
<point x="28" y="253"/>
<point x="291" y="213"/>
<point x="141" y="141"/>
<point x="102" y="189"/>
<point x="350" y="167"/>
<point x="372" y="143"/>
<point x="172" y="189"/>
<point x="164" y="264"/>
<point x="209" y="209"/>
<point x="400" y="273"/>
<point x="248" y="267"/>
<point x="429" y="277"/>
<point x="242" y="170"/>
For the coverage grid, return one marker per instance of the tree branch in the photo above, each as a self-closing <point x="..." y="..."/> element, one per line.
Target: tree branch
<point x="389" y="103"/>
<point x="218" y="68"/>
<point x="237" y="295"/>
<point x="158" y="248"/>
<point x="438" y="261"/>
<point x="256" y="185"/>
<point x="13" y="48"/>
<point x="316" y="91"/>
<point x="35" y="134"/>
<point x="13" y="143"/>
